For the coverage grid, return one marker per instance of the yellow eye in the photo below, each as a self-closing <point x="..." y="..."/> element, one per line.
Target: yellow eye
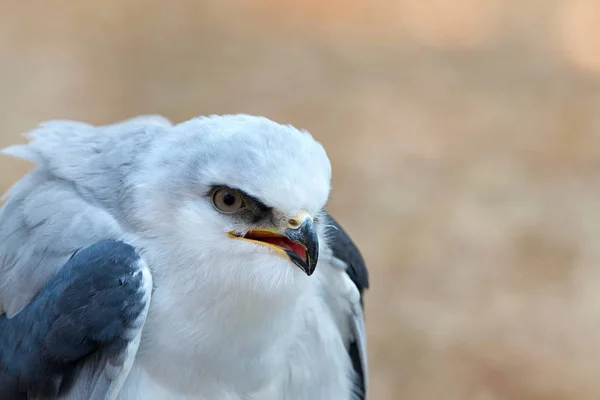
<point x="227" y="200"/>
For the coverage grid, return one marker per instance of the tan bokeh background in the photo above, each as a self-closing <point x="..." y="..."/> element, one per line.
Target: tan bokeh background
<point x="465" y="141"/>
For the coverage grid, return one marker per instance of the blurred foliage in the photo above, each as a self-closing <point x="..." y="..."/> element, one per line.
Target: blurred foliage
<point x="464" y="136"/>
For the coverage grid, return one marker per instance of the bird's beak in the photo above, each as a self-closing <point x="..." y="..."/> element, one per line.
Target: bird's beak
<point x="298" y="242"/>
<point x="304" y="233"/>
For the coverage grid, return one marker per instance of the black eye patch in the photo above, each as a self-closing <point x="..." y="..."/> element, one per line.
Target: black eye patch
<point x="254" y="211"/>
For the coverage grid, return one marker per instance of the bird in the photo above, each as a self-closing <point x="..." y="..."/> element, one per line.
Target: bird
<point x="147" y="259"/>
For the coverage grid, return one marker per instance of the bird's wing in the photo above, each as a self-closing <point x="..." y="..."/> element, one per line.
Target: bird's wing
<point x="63" y="204"/>
<point x="122" y="294"/>
<point x="41" y="226"/>
<point x="346" y="256"/>
<point x="78" y="337"/>
<point x="51" y="213"/>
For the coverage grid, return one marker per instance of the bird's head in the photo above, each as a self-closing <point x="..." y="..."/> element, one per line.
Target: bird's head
<point x="237" y="195"/>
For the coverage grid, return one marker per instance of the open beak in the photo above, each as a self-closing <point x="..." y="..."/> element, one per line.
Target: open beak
<point x="299" y="242"/>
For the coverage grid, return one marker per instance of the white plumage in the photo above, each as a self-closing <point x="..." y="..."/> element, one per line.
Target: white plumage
<point x="228" y="319"/>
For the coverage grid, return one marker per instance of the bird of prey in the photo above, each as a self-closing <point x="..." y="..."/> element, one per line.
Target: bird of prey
<point x="150" y="260"/>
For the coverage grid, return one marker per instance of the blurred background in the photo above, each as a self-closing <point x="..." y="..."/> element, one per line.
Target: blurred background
<point x="464" y="137"/>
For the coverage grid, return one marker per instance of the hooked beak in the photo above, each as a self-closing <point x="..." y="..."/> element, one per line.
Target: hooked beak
<point x="306" y="236"/>
<point x="299" y="242"/>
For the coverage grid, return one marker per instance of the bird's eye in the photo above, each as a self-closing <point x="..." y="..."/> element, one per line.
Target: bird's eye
<point x="227" y="200"/>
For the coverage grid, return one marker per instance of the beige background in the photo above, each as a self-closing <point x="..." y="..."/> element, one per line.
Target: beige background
<point x="465" y="141"/>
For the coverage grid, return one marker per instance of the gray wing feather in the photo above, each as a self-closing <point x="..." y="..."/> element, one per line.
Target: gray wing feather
<point x="102" y="377"/>
<point x="69" y="201"/>
<point x="51" y="213"/>
<point x="346" y="256"/>
<point x="42" y="226"/>
<point x="360" y="339"/>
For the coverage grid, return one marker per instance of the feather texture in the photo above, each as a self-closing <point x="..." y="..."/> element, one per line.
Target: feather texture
<point x="228" y="319"/>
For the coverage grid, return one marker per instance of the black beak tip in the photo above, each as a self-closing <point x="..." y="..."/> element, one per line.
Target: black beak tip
<point x="307" y="266"/>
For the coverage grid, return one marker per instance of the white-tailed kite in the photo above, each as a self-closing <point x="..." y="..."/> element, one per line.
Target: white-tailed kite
<point x="145" y="260"/>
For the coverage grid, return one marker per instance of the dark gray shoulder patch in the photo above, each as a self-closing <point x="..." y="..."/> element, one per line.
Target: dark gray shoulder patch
<point x="86" y="307"/>
<point x="344" y="248"/>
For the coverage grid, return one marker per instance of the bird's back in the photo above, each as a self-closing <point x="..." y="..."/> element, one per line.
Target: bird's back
<point x="69" y="201"/>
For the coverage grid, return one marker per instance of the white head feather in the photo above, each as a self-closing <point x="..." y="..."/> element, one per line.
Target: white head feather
<point x="283" y="167"/>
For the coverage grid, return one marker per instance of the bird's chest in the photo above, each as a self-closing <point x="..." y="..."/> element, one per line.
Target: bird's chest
<point x="312" y="373"/>
<point x="217" y="375"/>
<point x="303" y="359"/>
<point x="140" y="385"/>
